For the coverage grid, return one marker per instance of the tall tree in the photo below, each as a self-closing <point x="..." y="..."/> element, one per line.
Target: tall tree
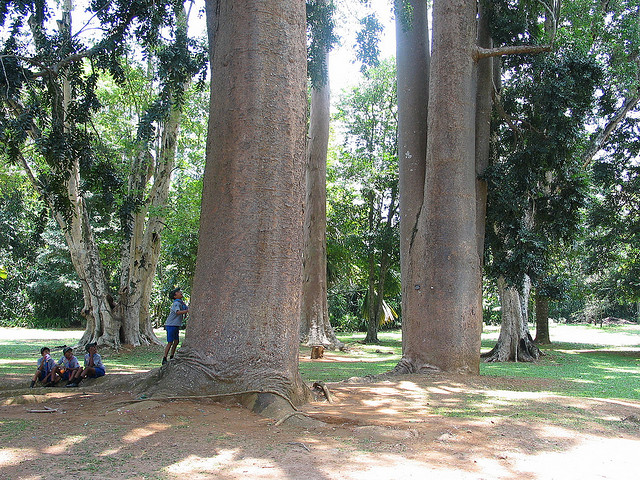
<point x="442" y="310"/>
<point x="546" y="145"/>
<point x="243" y="333"/>
<point x="443" y="314"/>
<point x="315" y="328"/>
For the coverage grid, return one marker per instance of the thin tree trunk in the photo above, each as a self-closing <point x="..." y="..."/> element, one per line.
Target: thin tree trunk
<point x="442" y="319"/>
<point x="372" y="324"/>
<point x="412" y="60"/>
<point x="142" y="250"/>
<point x="315" y="328"/>
<point x="542" y="320"/>
<point x="484" y="106"/>
<point x="514" y="342"/>
<point x="243" y="333"/>
<point x="372" y="321"/>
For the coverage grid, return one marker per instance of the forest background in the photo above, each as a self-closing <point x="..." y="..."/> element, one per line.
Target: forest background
<point x="582" y="250"/>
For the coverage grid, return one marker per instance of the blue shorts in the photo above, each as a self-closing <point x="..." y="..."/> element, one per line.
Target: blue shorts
<point x="99" y="372"/>
<point x="173" y="334"/>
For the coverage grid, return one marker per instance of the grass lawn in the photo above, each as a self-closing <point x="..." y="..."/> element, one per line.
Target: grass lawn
<point x="588" y="361"/>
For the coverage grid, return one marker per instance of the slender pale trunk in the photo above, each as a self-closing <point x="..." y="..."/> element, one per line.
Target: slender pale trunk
<point x="315" y="328"/>
<point x="372" y="324"/>
<point x="142" y="249"/>
<point x="442" y="319"/>
<point x="243" y="333"/>
<point x="102" y="326"/>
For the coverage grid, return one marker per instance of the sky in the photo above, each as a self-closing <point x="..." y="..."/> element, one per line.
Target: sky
<point x="343" y="72"/>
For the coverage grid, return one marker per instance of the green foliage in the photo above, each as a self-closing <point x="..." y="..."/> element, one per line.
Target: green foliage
<point x="362" y="191"/>
<point x="114" y="106"/>
<point x="320" y="39"/>
<point x="536" y="182"/>
<point x="367" y="42"/>
<point x="55" y="293"/>
<point x="403" y="10"/>
<point x="613" y="222"/>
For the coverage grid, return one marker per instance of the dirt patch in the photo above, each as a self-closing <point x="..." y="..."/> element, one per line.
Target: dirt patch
<point x="409" y="427"/>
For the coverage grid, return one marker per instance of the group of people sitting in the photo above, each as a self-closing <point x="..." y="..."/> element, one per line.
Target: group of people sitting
<point x="49" y="373"/>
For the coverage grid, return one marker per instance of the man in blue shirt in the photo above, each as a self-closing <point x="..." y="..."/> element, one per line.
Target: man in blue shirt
<point x="174" y="322"/>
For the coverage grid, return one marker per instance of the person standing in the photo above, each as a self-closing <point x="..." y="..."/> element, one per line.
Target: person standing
<point x="174" y="321"/>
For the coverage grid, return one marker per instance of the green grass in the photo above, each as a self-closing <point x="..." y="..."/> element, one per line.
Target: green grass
<point x="585" y="370"/>
<point x="602" y="362"/>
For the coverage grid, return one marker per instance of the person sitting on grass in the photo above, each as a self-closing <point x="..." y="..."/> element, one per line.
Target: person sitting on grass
<point x="46" y="371"/>
<point x="93" y="367"/>
<point x="68" y="367"/>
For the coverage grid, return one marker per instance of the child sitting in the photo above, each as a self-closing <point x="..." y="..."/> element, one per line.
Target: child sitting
<point x="68" y="367"/>
<point x="46" y="371"/>
<point x="93" y="367"/>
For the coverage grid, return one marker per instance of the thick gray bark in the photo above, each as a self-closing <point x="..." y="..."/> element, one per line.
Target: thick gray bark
<point x="243" y="333"/>
<point x="442" y="319"/>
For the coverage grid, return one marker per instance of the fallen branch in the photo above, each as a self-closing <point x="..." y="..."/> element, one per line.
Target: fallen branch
<point x="46" y="410"/>
<point x="301" y="444"/>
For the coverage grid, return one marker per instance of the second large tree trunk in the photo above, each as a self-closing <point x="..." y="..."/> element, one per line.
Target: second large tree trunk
<point x="315" y="328"/>
<point x="245" y="306"/>
<point x="442" y="317"/>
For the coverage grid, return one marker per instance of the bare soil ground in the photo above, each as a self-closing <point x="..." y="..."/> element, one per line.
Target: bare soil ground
<point x="409" y="427"/>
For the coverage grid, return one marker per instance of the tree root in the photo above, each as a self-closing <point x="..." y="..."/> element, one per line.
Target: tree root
<point x="216" y="395"/>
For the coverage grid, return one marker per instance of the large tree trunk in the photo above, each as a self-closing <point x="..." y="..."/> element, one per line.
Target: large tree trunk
<point x="412" y="61"/>
<point x="243" y="333"/>
<point x="442" y="320"/>
<point x="315" y="328"/>
<point x="542" y="320"/>
<point x="514" y="342"/>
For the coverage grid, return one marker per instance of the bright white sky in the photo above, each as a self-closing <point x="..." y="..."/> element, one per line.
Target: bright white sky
<point x="343" y="72"/>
